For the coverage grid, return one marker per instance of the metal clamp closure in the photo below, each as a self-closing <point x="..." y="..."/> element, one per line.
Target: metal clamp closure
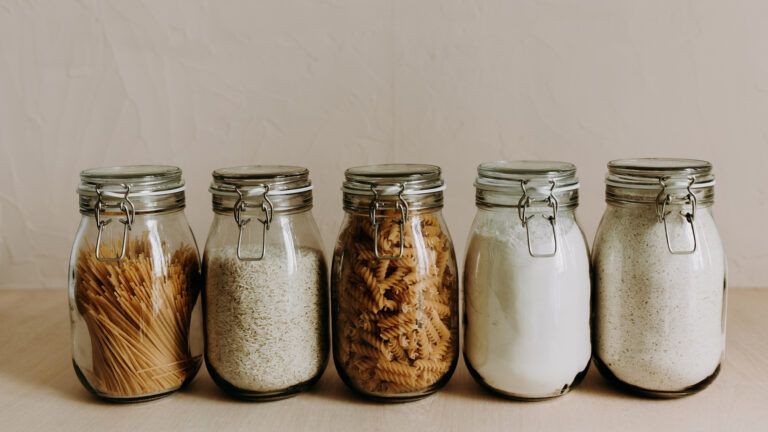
<point x="663" y="199"/>
<point x="522" y="206"/>
<point x="125" y="206"/>
<point x="241" y="205"/>
<point x="401" y="206"/>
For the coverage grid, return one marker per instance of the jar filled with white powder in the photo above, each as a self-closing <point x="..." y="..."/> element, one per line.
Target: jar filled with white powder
<point x="660" y="278"/>
<point x="265" y="296"/>
<point x="527" y="281"/>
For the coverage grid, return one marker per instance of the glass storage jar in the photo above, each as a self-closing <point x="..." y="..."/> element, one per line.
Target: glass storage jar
<point x="526" y="281"/>
<point x="133" y="285"/>
<point x="394" y="284"/>
<point x="660" y="278"/>
<point x="265" y="298"/>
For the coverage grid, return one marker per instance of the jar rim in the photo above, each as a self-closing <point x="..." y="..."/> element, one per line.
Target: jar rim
<point x="412" y="186"/>
<point x="512" y="183"/>
<point x="645" y="180"/>
<point x="517" y="169"/>
<point x="255" y="179"/>
<point x="142" y="180"/>
<point x="659" y="173"/>
<point x="283" y="188"/>
<point x="640" y="165"/>
<point x="396" y="171"/>
<point x="508" y="175"/>
<point x="259" y="172"/>
<point x="146" y="188"/>
<point x="130" y="172"/>
<point x="393" y="179"/>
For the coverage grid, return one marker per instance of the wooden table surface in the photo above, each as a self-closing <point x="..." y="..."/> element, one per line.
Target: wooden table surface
<point x="39" y="391"/>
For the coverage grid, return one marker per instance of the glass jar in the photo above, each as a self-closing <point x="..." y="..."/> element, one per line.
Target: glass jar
<point x="660" y="278"/>
<point x="526" y="281"/>
<point x="394" y="284"/>
<point x="265" y="296"/>
<point x="133" y="285"/>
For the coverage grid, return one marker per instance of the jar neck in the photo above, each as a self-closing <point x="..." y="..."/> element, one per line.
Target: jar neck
<point x="513" y="212"/>
<point x="280" y="204"/>
<point x="489" y="199"/>
<point x="675" y="195"/>
<point x="413" y="203"/>
<point x="138" y="203"/>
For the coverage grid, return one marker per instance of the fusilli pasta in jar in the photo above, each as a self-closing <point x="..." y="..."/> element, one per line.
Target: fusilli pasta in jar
<point x="394" y="285"/>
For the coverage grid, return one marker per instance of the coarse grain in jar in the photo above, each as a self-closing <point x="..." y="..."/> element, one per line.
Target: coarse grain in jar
<point x="660" y="278"/>
<point x="394" y="284"/>
<point x="527" y="281"/>
<point x="265" y="296"/>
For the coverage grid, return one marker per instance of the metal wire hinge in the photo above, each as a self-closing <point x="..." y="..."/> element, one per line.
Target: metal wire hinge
<point x="524" y="204"/>
<point x="663" y="200"/>
<point x="241" y="206"/>
<point x="129" y="211"/>
<point x="402" y="207"/>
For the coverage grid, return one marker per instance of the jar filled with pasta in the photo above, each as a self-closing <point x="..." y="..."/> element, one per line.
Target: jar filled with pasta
<point x="133" y="285"/>
<point x="659" y="278"/>
<point x="394" y="284"/>
<point x="265" y="296"/>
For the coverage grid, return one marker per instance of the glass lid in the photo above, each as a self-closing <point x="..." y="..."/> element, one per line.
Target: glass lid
<point x="529" y="183"/>
<point x="650" y="173"/>
<point x="139" y="178"/>
<point x="501" y="174"/>
<point x="278" y="178"/>
<point x="390" y="179"/>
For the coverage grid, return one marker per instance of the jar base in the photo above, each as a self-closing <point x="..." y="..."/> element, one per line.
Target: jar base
<point x="609" y="376"/>
<point x="254" y="396"/>
<point x="131" y="399"/>
<point x="396" y="398"/>
<point x="519" y="398"/>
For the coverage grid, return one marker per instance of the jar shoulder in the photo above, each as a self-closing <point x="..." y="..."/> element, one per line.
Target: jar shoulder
<point x="285" y="234"/>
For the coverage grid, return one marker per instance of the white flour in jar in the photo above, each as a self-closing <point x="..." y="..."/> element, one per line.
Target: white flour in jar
<point x="265" y="319"/>
<point x="527" y="331"/>
<point x="660" y="317"/>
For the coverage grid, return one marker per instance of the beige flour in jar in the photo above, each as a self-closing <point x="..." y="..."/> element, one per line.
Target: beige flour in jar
<point x="660" y="318"/>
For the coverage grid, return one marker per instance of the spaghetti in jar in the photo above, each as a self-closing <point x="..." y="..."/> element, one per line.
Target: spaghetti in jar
<point x="134" y="285"/>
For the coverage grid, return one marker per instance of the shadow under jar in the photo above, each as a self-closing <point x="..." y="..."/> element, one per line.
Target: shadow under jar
<point x="394" y="284"/>
<point x="266" y="292"/>
<point x="526" y="281"/>
<point x="133" y="285"/>
<point x="659" y="278"/>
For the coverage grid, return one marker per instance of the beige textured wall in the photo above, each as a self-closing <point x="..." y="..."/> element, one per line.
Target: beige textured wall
<point x="329" y="84"/>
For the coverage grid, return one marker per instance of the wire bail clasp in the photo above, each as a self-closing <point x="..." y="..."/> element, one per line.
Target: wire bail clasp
<point x="402" y="207"/>
<point x="129" y="211"/>
<point x="663" y="200"/>
<point x="524" y="203"/>
<point x="241" y="205"/>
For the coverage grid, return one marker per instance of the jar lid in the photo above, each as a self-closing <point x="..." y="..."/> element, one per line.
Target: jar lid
<point x="640" y="180"/>
<point x="254" y="182"/>
<point x="419" y="185"/>
<point x="415" y="179"/>
<point x="253" y="179"/>
<point x="149" y="188"/>
<point x="504" y="183"/>
<point x="640" y="173"/>
<point x="142" y="179"/>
